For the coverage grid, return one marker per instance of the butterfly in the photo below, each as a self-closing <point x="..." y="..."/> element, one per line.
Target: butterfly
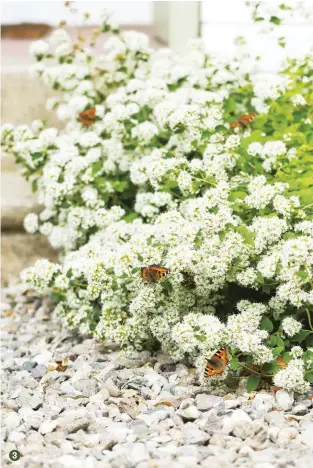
<point x="243" y="121"/>
<point x="216" y="364"/>
<point x="281" y="362"/>
<point x="154" y="272"/>
<point x="88" y="116"/>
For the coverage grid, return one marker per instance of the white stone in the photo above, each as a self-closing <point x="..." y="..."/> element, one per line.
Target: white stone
<point x="47" y="426"/>
<point x="195" y="436"/>
<point x="12" y="420"/>
<point x="205" y="402"/>
<point x="16" y="436"/>
<point x="262" y="404"/>
<point x="284" y="400"/>
<point x="240" y="415"/>
<point x="286" y="435"/>
<point x="43" y="358"/>
<point x="243" y="429"/>
<point x="190" y="414"/>
<point x="138" y="454"/>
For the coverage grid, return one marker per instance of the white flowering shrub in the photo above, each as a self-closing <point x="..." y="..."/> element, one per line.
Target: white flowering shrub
<point x="165" y="173"/>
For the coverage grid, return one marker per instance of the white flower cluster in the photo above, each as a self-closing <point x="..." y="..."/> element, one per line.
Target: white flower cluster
<point x="293" y="377"/>
<point x="156" y="175"/>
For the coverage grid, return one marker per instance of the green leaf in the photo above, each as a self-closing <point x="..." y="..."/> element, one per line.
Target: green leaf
<point x="69" y="273"/>
<point x="167" y="285"/>
<point x="96" y="167"/>
<point x="275" y="20"/>
<point x="270" y="367"/>
<point x="301" y="336"/>
<point x="135" y="270"/>
<point x="278" y="350"/>
<point x="309" y="376"/>
<point x="234" y="363"/>
<point x="235" y="195"/>
<point x="273" y="340"/>
<point x="56" y="297"/>
<point x="119" y="185"/>
<point x="246" y="234"/>
<point x="287" y="356"/>
<point x="280" y="342"/>
<point x="267" y="324"/>
<point x="130" y="217"/>
<point x="253" y="382"/>
<point x="34" y="185"/>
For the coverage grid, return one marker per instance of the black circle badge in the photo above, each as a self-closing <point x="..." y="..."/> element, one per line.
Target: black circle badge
<point x="14" y="455"/>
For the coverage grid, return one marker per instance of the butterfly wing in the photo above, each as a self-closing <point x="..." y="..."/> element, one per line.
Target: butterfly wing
<point x="158" y="272"/>
<point x="235" y="124"/>
<point x="244" y="120"/>
<point x="281" y="362"/>
<point x="88" y="116"/>
<point x="154" y="272"/>
<point x="216" y="364"/>
<point x="145" y="274"/>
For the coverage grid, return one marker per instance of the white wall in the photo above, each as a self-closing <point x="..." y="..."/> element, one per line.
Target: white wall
<point x="51" y="12"/>
<point x="223" y="20"/>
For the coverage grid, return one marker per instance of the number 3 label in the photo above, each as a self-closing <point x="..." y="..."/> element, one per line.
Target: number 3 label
<point x="14" y="455"/>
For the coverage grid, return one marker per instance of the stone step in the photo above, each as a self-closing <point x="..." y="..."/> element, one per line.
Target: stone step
<point x="21" y="250"/>
<point x="24" y="97"/>
<point x="17" y="200"/>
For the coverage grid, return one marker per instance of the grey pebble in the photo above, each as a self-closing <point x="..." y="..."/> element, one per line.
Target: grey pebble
<point x="80" y="423"/>
<point x="28" y="365"/>
<point x="39" y="371"/>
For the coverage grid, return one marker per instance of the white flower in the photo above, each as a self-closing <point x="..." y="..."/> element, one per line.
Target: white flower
<point x="292" y="378"/>
<point x="59" y="36"/>
<point x="184" y="182"/>
<point x="255" y="148"/>
<point x="63" y="49"/>
<point x="90" y="196"/>
<point x="291" y="326"/>
<point x="61" y="282"/>
<point x="37" y="126"/>
<point x="298" y="100"/>
<point x="232" y="142"/>
<point x="89" y="139"/>
<point x="39" y="48"/>
<point x="31" y="223"/>
<point x="145" y="131"/>
<point x="296" y="352"/>
<point x="48" y="137"/>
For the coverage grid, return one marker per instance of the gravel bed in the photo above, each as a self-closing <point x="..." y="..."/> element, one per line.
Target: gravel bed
<point x="69" y="401"/>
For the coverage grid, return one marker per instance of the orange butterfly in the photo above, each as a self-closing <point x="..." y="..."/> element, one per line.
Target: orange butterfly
<point x="243" y="121"/>
<point x="281" y="362"/>
<point x="88" y="116"/>
<point x="217" y="363"/>
<point x="154" y="272"/>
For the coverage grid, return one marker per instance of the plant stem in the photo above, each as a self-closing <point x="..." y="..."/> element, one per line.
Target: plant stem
<point x="309" y="277"/>
<point x="309" y="318"/>
<point x="82" y="285"/>
<point x="253" y="371"/>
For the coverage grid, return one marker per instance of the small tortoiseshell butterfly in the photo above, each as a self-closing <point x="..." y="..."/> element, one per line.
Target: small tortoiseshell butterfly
<point x="243" y="121"/>
<point x="216" y="364"/>
<point x="88" y="116"/>
<point x="154" y="272"/>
